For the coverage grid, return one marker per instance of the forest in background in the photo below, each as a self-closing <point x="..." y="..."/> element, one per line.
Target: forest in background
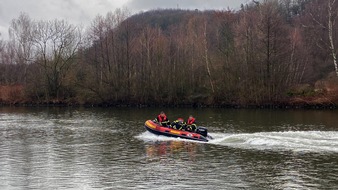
<point x="271" y="52"/>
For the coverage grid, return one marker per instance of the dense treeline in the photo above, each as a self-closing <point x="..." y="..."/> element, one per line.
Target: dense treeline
<point x="257" y="55"/>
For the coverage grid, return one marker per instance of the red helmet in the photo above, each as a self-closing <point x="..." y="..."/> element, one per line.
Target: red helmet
<point x="180" y="119"/>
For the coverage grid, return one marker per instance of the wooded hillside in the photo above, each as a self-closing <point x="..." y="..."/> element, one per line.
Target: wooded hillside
<point x="275" y="52"/>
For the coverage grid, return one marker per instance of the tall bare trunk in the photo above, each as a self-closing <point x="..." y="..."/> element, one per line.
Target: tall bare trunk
<point x="330" y="27"/>
<point x="206" y="56"/>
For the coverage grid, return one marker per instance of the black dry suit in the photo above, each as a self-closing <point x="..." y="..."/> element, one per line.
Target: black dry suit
<point x="179" y="125"/>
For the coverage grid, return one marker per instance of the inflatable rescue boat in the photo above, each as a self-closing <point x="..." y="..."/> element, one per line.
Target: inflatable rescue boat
<point x="201" y="133"/>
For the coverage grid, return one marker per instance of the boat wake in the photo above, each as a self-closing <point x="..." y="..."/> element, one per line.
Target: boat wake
<point x="297" y="141"/>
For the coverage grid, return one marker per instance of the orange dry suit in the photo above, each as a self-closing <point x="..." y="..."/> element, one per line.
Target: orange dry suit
<point x="163" y="120"/>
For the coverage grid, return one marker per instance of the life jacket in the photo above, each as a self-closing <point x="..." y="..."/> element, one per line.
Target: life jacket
<point x="161" y="119"/>
<point x="191" y="121"/>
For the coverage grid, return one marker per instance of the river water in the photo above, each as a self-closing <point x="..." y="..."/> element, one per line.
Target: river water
<point x="108" y="148"/>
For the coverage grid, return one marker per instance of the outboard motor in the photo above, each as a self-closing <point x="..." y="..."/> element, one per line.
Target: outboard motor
<point x="202" y="131"/>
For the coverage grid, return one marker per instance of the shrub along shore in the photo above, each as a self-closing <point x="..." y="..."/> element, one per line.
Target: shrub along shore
<point x="14" y="96"/>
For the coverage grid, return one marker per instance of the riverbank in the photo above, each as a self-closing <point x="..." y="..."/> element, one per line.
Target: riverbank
<point x="292" y="104"/>
<point x="302" y="97"/>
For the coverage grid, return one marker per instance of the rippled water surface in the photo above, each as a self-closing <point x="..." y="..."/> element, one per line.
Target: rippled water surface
<point x="108" y="148"/>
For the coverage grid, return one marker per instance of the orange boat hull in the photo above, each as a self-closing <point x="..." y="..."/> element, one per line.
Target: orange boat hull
<point x="165" y="131"/>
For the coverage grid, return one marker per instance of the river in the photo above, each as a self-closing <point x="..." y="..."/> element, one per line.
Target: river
<point x="108" y="148"/>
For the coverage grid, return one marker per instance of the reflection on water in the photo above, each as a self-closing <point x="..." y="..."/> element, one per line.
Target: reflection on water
<point x="68" y="148"/>
<point x="176" y="149"/>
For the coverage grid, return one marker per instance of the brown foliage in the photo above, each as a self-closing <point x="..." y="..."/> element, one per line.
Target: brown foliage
<point x="251" y="56"/>
<point x="11" y="94"/>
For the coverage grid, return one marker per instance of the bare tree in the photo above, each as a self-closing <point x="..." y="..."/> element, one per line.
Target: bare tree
<point x="55" y="44"/>
<point x="20" y="34"/>
<point x="332" y="16"/>
<point x="108" y="55"/>
<point x="322" y="22"/>
<point x="207" y="58"/>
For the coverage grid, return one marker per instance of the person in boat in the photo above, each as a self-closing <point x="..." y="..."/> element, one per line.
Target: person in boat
<point x="178" y="124"/>
<point x="191" y="125"/>
<point x="162" y="119"/>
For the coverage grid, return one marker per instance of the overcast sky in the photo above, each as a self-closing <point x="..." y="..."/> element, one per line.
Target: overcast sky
<point x="84" y="11"/>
